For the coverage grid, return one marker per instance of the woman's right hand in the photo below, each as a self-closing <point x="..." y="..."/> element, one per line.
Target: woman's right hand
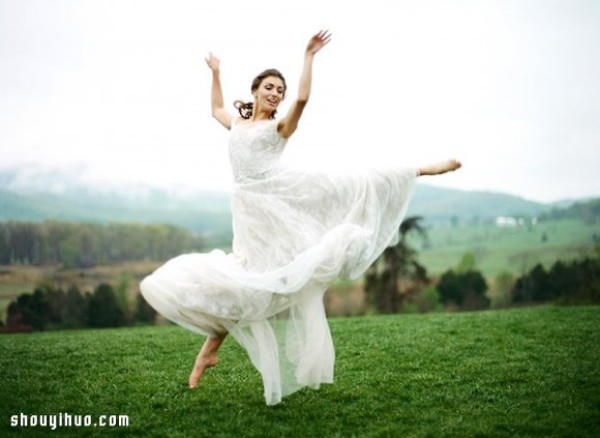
<point x="213" y="62"/>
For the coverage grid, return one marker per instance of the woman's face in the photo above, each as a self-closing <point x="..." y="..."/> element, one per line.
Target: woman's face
<point x="270" y="93"/>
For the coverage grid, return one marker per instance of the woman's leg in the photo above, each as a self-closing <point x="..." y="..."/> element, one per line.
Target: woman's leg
<point x="440" y="168"/>
<point x="207" y="357"/>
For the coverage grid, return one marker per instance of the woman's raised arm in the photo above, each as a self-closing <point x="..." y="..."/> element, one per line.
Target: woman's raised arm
<point x="287" y="126"/>
<point x="216" y="95"/>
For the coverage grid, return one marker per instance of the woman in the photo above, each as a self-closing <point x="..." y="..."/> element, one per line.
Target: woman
<point x="294" y="232"/>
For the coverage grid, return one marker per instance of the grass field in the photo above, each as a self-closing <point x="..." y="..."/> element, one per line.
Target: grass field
<point x="516" y="373"/>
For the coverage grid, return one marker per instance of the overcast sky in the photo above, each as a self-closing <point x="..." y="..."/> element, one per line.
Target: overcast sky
<point x="118" y="91"/>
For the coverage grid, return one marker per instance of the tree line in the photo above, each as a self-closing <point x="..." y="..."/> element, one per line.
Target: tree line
<point x="49" y="308"/>
<point x="588" y="212"/>
<point x="88" y="244"/>
<point x="574" y="282"/>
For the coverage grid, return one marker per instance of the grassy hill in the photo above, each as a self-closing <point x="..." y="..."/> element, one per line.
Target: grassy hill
<point x="441" y="205"/>
<point x="202" y="211"/>
<point x="508" y="249"/>
<point x="206" y="212"/>
<point x="526" y="372"/>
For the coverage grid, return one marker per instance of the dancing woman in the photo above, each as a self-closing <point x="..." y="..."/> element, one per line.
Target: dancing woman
<point x="293" y="233"/>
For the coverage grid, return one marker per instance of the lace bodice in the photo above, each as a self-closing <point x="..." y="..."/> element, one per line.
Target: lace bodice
<point x="254" y="149"/>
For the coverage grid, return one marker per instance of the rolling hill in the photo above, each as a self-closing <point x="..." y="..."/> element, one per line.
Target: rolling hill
<point x="54" y="196"/>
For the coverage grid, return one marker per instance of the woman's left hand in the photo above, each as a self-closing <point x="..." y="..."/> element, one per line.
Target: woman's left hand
<point x="318" y="41"/>
<point x="213" y="62"/>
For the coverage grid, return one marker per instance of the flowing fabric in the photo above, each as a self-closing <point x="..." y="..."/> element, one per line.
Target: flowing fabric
<point x="293" y="233"/>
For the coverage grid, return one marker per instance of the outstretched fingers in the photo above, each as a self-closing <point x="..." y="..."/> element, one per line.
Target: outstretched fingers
<point x="324" y="36"/>
<point x="318" y="41"/>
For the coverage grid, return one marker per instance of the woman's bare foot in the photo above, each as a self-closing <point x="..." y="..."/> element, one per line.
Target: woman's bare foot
<point x="440" y="168"/>
<point x="201" y="364"/>
<point x="206" y="358"/>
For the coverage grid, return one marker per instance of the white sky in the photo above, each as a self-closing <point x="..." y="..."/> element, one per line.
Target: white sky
<point x="118" y="90"/>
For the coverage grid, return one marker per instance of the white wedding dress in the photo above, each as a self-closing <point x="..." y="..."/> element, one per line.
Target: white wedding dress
<point x="294" y="232"/>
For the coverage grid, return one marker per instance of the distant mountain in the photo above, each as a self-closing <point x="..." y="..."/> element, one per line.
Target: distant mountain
<point x="586" y="210"/>
<point x="31" y="194"/>
<point x="206" y="212"/>
<point x="438" y="204"/>
<point x="35" y="196"/>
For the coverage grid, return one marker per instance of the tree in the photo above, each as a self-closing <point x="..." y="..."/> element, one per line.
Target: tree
<point x="75" y="314"/>
<point x="22" y="240"/>
<point x="104" y="309"/>
<point x="426" y="300"/>
<point x="56" y="300"/>
<point x="466" y="264"/>
<point x="145" y="313"/>
<point x="501" y="291"/>
<point x="123" y="298"/>
<point x="465" y="290"/>
<point x="14" y="319"/>
<point x="33" y="309"/>
<point x="382" y="279"/>
<point x="5" y="258"/>
<point x="533" y="286"/>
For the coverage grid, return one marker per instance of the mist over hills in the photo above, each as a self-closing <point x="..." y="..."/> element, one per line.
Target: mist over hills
<point x="30" y="195"/>
<point x="439" y="204"/>
<point x="61" y="196"/>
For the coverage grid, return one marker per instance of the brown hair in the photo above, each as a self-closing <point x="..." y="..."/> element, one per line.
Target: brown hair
<point x="245" y="108"/>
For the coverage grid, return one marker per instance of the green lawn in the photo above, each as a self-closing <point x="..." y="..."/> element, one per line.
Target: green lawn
<point x="515" y="373"/>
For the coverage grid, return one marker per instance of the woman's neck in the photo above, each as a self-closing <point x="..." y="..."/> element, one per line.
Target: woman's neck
<point x="260" y="115"/>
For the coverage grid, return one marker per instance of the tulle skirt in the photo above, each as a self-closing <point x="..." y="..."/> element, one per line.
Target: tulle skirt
<point x="294" y="232"/>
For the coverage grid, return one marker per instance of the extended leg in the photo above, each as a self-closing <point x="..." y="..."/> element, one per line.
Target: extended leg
<point x="440" y="168"/>
<point x="207" y="357"/>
